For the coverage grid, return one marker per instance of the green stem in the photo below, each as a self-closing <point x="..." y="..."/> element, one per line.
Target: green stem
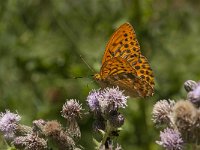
<point x="106" y="135"/>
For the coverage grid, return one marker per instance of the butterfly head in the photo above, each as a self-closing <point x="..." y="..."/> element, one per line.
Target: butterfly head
<point x="97" y="76"/>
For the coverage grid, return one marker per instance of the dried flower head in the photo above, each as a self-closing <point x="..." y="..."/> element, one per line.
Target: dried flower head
<point x="71" y="110"/>
<point x="170" y="139"/>
<point x="65" y="141"/>
<point x="30" y="142"/>
<point x="194" y="95"/>
<point x="23" y="130"/>
<point x="190" y="85"/>
<point x="184" y="115"/>
<point x="8" y="123"/>
<point x="38" y="125"/>
<point x="161" y="111"/>
<point x="52" y="128"/>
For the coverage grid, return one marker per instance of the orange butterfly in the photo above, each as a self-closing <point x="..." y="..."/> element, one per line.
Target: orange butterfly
<point x="124" y="66"/>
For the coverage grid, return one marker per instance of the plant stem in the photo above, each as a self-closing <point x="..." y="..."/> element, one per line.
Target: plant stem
<point x="106" y="138"/>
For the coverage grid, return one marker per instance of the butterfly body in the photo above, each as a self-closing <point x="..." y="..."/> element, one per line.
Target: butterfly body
<point x="124" y="66"/>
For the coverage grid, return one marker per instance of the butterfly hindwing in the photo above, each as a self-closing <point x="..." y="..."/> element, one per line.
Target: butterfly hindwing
<point x="144" y="70"/>
<point x="118" y="72"/>
<point x="133" y="86"/>
<point x="123" y="43"/>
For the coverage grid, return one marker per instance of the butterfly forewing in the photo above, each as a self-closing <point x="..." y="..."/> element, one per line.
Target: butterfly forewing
<point x="123" y="43"/>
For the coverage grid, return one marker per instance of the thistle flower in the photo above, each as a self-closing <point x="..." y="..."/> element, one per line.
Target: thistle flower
<point x="106" y="100"/>
<point x="8" y="123"/>
<point x="71" y="110"/>
<point x="161" y="111"/>
<point x="184" y="115"/>
<point x="194" y="95"/>
<point x="190" y="85"/>
<point x="170" y="139"/>
<point x="30" y="142"/>
<point x="114" y="98"/>
<point x="185" y="118"/>
<point x="93" y="101"/>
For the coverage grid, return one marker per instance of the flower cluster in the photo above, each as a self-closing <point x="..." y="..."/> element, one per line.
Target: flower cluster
<point x="8" y="123"/>
<point x="170" y="139"/>
<point x="37" y="136"/>
<point x="42" y="135"/>
<point x="106" y="100"/>
<point x="72" y="111"/>
<point x="105" y="104"/>
<point x="161" y="111"/>
<point x="181" y="118"/>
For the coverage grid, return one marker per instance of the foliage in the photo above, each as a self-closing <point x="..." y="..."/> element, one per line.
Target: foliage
<point x="40" y="44"/>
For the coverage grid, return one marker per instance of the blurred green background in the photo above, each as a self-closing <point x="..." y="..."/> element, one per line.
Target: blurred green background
<point x="40" y="44"/>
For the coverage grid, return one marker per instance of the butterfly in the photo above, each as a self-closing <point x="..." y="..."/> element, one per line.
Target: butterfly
<point x="124" y="66"/>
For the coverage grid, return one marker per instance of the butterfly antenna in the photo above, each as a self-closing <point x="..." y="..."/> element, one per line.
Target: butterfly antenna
<point x="84" y="77"/>
<point x="87" y="64"/>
